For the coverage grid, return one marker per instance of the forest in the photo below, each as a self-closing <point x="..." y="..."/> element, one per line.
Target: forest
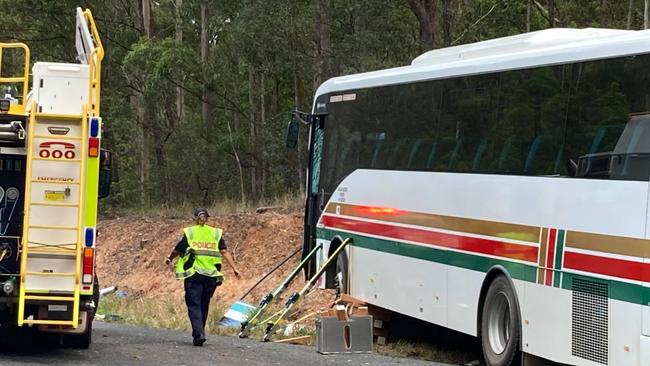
<point x="196" y="94"/>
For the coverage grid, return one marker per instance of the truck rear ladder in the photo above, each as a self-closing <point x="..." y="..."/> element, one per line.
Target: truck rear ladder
<point x="52" y="241"/>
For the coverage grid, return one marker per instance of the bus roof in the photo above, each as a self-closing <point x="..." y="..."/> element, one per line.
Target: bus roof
<point x="540" y="48"/>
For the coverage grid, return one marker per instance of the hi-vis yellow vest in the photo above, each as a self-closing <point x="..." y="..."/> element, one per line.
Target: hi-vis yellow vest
<point x="203" y="245"/>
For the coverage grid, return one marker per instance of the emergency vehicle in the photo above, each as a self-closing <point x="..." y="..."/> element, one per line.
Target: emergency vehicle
<point x="52" y="172"/>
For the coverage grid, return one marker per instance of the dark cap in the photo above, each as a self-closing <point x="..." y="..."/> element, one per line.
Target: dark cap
<point x="200" y="211"/>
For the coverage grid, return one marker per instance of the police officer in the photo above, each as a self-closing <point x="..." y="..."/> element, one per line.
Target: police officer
<point x="200" y="250"/>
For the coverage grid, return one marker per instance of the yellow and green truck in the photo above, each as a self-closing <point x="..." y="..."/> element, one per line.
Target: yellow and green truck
<point x="52" y="173"/>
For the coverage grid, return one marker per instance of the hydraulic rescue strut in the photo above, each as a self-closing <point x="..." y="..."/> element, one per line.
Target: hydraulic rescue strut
<point x="251" y="322"/>
<point x="272" y="327"/>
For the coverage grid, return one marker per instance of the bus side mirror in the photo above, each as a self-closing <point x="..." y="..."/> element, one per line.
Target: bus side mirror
<point x="105" y="173"/>
<point x="293" y="131"/>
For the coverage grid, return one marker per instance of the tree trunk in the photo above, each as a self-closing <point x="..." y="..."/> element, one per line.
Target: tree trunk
<point x="263" y="158"/>
<point x="323" y="71"/>
<point x="424" y="10"/>
<point x="446" y="21"/>
<point x="205" y="106"/>
<point x="628" y="24"/>
<point x="144" y="119"/>
<point x="646" y="17"/>
<point x="180" y="97"/>
<point x="146" y="17"/>
<point x="253" y="132"/>
<point x="234" y="149"/>
<point x="528" y="15"/>
<point x="299" y="154"/>
<point x="551" y="13"/>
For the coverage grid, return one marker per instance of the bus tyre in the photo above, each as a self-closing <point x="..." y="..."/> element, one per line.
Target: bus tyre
<point x="342" y="272"/>
<point x="500" y="324"/>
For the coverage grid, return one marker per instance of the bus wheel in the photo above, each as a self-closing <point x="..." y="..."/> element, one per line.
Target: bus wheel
<point x="341" y="274"/>
<point x="500" y="324"/>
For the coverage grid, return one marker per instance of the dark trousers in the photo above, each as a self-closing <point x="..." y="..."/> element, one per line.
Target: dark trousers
<point x="198" y="292"/>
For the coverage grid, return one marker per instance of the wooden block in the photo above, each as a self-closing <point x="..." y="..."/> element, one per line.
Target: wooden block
<point x="326" y="312"/>
<point x="360" y="311"/>
<point x="352" y="300"/>
<point x="382" y="332"/>
<point x="341" y="314"/>
<point x="304" y="340"/>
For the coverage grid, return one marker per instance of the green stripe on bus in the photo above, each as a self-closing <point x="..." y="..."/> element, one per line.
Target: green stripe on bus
<point x="463" y="260"/>
<point x="559" y="252"/>
<point x="622" y="291"/>
<point x="618" y="290"/>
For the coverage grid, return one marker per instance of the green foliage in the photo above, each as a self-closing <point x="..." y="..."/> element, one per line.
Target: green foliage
<point x="265" y="58"/>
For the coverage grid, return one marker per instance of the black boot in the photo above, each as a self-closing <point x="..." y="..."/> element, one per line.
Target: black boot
<point x="199" y="341"/>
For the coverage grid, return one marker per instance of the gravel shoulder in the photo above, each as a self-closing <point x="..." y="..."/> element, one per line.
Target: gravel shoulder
<point x="118" y="344"/>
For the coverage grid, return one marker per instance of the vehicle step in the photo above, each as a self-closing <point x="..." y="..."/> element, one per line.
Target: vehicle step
<point x="50" y="322"/>
<point x="58" y="137"/>
<point x="53" y="227"/>
<point x="48" y="298"/>
<point x="53" y="204"/>
<point x="58" y="117"/>
<point x="52" y="274"/>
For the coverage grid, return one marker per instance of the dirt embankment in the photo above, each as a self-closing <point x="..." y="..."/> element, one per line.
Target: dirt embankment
<point x="131" y="254"/>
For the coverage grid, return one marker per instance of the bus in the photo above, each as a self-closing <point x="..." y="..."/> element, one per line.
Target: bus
<point x="499" y="189"/>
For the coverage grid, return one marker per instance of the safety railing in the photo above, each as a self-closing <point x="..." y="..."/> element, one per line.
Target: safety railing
<point x="19" y="107"/>
<point x="95" y="64"/>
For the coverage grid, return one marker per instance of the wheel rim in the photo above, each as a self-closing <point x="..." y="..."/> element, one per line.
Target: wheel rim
<point x="340" y="271"/>
<point x="499" y="323"/>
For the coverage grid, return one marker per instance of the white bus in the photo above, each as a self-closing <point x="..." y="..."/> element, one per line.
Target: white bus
<point x="499" y="189"/>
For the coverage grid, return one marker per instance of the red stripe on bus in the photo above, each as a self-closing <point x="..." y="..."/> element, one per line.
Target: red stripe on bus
<point x="607" y="266"/>
<point x="550" y="256"/>
<point x="453" y="241"/>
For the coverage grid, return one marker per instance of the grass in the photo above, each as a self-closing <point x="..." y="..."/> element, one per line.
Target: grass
<point x="170" y="313"/>
<point x="159" y="312"/>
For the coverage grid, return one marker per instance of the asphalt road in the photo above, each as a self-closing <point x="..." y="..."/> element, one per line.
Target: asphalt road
<point x="117" y="344"/>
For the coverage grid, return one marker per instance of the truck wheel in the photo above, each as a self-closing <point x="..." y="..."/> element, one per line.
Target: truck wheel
<point x="95" y="296"/>
<point x="500" y="324"/>
<point x="82" y="340"/>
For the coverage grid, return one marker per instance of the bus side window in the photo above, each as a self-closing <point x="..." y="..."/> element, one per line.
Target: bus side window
<point x="513" y="155"/>
<point x="606" y="138"/>
<point x="543" y="156"/>
<point x="419" y="155"/>
<point x="413" y="152"/>
<point x="402" y="152"/>
<point x="380" y="153"/>
<point x="481" y="161"/>
<point x="444" y="153"/>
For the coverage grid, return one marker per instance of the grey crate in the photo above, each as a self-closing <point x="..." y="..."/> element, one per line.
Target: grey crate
<point x="331" y="334"/>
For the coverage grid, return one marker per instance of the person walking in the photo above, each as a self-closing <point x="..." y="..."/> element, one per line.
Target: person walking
<point x="200" y="251"/>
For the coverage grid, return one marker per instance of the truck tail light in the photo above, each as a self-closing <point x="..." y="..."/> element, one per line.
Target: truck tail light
<point x="93" y="147"/>
<point x="88" y="262"/>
